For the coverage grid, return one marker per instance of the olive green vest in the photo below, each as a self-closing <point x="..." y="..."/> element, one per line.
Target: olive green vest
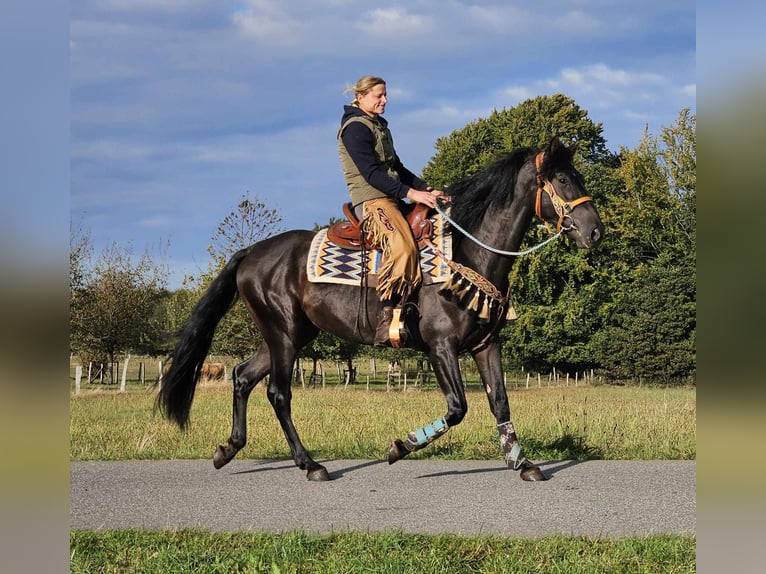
<point x="358" y="187"/>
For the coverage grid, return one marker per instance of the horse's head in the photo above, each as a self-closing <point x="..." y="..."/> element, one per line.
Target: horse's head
<point x="561" y="196"/>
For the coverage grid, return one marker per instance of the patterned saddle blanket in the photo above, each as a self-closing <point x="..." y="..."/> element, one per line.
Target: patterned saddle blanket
<point x="329" y="263"/>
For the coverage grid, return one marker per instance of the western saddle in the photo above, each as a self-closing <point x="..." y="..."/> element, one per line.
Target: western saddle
<point x="349" y="234"/>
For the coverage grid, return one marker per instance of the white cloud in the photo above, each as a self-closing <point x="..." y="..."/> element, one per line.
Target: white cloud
<point x="393" y="23"/>
<point x="112" y="150"/>
<point x="689" y="90"/>
<point x="518" y="94"/>
<point x="172" y="6"/>
<point x="268" y="22"/>
<point x="159" y="222"/>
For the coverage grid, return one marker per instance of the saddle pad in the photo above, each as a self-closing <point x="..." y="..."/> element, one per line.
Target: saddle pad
<point x="329" y="263"/>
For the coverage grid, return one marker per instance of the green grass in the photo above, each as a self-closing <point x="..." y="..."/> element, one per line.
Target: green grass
<point x="584" y="422"/>
<point x="197" y="552"/>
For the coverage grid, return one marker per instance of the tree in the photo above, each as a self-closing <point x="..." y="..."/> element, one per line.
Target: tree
<point x="251" y="222"/>
<point x="580" y="309"/>
<point x="649" y="324"/>
<point x="554" y="289"/>
<point x="532" y="123"/>
<point x="114" y="306"/>
<point x="80" y="252"/>
<point x="651" y="329"/>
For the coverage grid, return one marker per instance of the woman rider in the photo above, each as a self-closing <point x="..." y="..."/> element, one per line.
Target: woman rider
<point x="377" y="181"/>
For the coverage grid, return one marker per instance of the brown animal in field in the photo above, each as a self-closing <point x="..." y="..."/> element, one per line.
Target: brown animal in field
<point x="212" y="371"/>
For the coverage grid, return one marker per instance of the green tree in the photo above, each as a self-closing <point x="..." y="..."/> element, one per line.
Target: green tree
<point x="649" y="324"/>
<point x="651" y="328"/>
<point x="114" y="306"/>
<point x="249" y="223"/>
<point x="555" y="289"/>
<point x="532" y="123"/>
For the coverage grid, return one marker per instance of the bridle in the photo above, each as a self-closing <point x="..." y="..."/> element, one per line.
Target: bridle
<point x="562" y="207"/>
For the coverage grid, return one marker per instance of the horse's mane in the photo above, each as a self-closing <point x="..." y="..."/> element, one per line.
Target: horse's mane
<point x="472" y="196"/>
<point x="495" y="184"/>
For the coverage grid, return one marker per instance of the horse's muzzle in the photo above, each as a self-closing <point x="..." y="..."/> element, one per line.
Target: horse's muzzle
<point x="585" y="236"/>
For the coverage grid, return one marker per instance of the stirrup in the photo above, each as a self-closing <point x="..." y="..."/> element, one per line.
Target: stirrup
<point x="397" y="333"/>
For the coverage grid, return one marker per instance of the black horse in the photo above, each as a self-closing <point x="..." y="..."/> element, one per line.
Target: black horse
<point x="496" y="206"/>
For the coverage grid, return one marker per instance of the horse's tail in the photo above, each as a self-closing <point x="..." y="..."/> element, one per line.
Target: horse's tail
<point x="195" y="337"/>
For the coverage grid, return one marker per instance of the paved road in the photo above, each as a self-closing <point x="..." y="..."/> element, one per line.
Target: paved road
<point x="593" y="498"/>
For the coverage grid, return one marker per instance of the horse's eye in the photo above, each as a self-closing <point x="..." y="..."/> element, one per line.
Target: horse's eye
<point x="563" y="180"/>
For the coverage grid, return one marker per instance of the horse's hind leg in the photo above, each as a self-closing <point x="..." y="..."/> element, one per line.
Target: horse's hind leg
<point x="279" y="393"/>
<point x="489" y="362"/>
<point x="246" y="376"/>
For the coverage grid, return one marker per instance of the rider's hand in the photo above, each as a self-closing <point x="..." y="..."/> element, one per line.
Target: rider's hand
<point x="430" y="197"/>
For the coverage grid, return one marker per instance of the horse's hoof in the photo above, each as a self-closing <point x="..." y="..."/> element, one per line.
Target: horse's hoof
<point x="396" y="451"/>
<point x="318" y="474"/>
<point x="532" y="473"/>
<point x="223" y="454"/>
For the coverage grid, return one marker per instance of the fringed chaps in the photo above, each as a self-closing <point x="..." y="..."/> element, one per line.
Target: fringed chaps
<point x="387" y="230"/>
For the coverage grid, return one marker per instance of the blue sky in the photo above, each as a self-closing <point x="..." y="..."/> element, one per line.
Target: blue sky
<point x="180" y="107"/>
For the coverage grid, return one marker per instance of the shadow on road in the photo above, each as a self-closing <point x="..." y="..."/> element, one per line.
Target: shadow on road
<point x="551" y="467"/>
<point x="267" y="465"/>
<point x="495" y="468"/>
<point x="341" y="472"/>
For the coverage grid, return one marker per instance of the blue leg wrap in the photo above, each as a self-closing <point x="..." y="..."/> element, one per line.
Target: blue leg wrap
<point x="424" y="436"/>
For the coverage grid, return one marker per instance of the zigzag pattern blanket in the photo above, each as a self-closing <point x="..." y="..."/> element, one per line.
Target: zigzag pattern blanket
<point x="328" y="263"/>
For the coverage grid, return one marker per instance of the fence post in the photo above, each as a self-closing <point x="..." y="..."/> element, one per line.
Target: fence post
<point x="77" y="377"/>
<point x="159" y="377"/>
<point x="124" y="374"/>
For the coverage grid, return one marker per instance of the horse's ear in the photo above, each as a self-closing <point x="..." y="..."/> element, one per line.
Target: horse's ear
<point x="554" y="144"/>
<point x="573" y="149"/>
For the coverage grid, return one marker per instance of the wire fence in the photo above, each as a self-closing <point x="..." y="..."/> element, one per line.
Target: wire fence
<point x="140" y="372"/>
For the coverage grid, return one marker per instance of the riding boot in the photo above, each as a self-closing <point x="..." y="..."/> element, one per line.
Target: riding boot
<point x="382" y="338"/>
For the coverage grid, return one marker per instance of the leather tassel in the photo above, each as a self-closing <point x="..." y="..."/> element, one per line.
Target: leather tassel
<point x="449" y="284"/>
<point x="485" y="310"/>
<point x="463" y="290"/>
<point x="474" y="304"/>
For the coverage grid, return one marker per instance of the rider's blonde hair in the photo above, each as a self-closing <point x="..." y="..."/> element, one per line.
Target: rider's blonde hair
<point x="362" y="86"/>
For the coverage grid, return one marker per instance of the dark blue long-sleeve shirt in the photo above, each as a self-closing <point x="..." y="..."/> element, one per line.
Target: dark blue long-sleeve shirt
<point x="360" y="145"/>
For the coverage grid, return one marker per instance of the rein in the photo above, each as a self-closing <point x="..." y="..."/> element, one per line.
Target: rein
<point x="490" y="248"/>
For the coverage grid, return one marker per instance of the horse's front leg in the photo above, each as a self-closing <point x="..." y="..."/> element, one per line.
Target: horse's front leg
<point x="246" y="375"/>
<point x="489" y="363"/>
<point x="447" y="372"/>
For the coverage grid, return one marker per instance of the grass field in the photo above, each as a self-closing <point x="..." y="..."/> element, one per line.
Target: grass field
<point x="553" y="423"/>
<point x="297" y="553"/>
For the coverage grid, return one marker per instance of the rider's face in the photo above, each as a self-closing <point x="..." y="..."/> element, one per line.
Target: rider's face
<point x="374" y="101"/>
